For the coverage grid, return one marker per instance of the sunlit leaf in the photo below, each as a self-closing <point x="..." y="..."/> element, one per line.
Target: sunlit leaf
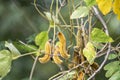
<point x="109" y="65"/>
<point x="13" y="49"/>
<point x="81" y="76"/>
<point x="111" y="72"/>
<point x="81" y="11"/>
<point x="115" y="76"/>
<point x="90" y="2"/>
<point x="111" y="68"/>
<point x="41" y="39"/>
<point x="97" y="35"/>
<point x="116" y="7"/>
<point x="89" y="52"/>
<point x="104" y="6"/>
<point x="5" y="62"/>
<point x="112" y="56"/>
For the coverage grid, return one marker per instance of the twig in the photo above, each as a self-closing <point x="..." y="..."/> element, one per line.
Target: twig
<point x="101" y="20"/>
<point x="102" y="48"/>
<point x="33" y="68"/>
<point x="90" y="25"/>
<point x="65" y="72"/>
<point x="39" y="10"/>
<point x="118" y="44"/>
<point x="77" y="20"/>
<point x="26" y="54"/>
<point x="109" y="44"/>
<point x="109" y="18"/>
<point x="38" y="5"/>
<point x="27" y="45"/>
<point x="105" y="59"/>
<point x="56" y="75"/>
<point x="63" y="3"/>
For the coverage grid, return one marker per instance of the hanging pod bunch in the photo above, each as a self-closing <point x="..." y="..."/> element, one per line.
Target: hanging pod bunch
<point x="62" y="45"/>
<point x="56" y="55"/>
<point x="47" y="55"/>
<point x="58" y="50"/>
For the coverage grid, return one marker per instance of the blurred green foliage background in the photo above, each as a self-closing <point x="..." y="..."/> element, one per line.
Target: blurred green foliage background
<point x="19" y="20"/>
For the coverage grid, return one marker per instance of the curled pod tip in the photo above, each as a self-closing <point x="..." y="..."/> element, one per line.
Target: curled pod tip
<point x="44" y="59"/>
<point x="47" y="55"/>
<point x="61" y="37"/>
<point x="62" y="45"/>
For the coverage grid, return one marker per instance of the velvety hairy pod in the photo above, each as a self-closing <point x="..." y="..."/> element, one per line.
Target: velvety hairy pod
<point x="81" y="76"/>
<point x="62" y="45"/>
<point x="56" y="58"/>
<point x="95" y="66"/>
<point x="47" y="56"/>
<point x="79" y="39"/>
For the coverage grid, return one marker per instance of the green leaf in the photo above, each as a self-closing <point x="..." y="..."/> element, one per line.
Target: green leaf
<point x="111" y="72"/>
<point x="90" y="2"/>
<point x="111" y="68"/>
<point x="5" y="62"/>
<point x="115" y="76"/>
<point x="81" y="11"/>
<point x="89" y="52"/>
<point x="24" y="48"/>
<point x="41" y="39"/>
<point x="13" y="49"/>
<point x="112" y="56"/>
<point x="97" y="35"/>
<point x="110" y="65"/>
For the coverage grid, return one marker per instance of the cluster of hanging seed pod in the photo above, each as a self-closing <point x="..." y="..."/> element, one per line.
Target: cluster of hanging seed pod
<point x="58" y="51"/>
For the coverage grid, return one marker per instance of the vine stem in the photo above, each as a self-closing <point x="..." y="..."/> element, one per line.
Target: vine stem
<point x="109" y="44"/>
<point x="33" y="68"/>
<point x="26" y="54"/>
<point x="61" y="74"/>
<point x="39" y="10"/>
<point x="101" y="19"/>
<point x="102" y="64"/>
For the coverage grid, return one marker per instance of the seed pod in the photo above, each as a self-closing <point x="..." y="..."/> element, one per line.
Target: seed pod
<point x="62" y="45"/>
<point x="81" y="76"/>
<point x="95" y="66"/>
<point x="79" y="39"/>
<point x="56" y="58"/>
<point x="47" y="56"/>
